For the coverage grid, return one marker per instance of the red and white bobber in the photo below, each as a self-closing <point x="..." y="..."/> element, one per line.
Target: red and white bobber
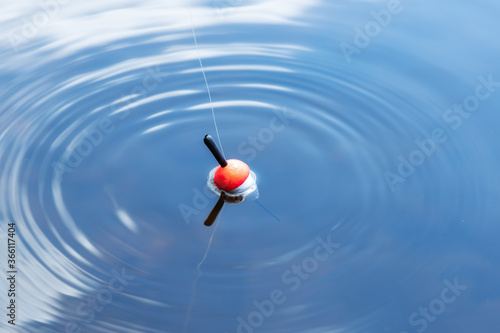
<point x="232" y="179"/>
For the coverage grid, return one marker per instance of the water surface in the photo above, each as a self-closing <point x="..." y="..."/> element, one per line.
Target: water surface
<point x="371" y="126"/>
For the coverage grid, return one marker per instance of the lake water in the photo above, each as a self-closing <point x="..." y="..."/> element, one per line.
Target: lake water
<point x="372" y="128"/>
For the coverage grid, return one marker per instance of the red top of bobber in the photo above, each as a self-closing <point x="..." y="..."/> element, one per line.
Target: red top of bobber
<point x="232" y="175"/>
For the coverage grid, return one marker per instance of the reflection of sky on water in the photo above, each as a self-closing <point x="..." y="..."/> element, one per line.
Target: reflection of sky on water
<point x="102" y="118"/>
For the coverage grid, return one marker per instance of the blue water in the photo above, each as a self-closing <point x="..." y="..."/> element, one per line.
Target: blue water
<point x="372" y="127"/>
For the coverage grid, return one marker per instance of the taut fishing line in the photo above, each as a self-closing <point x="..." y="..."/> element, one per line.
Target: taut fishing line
<point x="204" y="77"/>
<point x="232" y="180"/>
<point x="198" y="267"/>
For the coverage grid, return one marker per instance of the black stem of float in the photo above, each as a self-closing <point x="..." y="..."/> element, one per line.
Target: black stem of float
<point x="210" y="142"/>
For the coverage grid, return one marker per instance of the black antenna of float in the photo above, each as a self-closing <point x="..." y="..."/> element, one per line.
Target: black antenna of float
<point x="210" y="143"/>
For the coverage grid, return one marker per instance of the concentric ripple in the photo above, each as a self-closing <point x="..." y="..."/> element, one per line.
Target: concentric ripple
<point x="103" y="168"/>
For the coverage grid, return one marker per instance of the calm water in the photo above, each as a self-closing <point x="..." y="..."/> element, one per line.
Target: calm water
<point x="372" y="127"/>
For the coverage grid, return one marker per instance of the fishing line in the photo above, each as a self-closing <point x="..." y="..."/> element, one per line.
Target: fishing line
<point x="198" y="268"/>
<point x="267" y="210"/>
<point x="204" y="77"/>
